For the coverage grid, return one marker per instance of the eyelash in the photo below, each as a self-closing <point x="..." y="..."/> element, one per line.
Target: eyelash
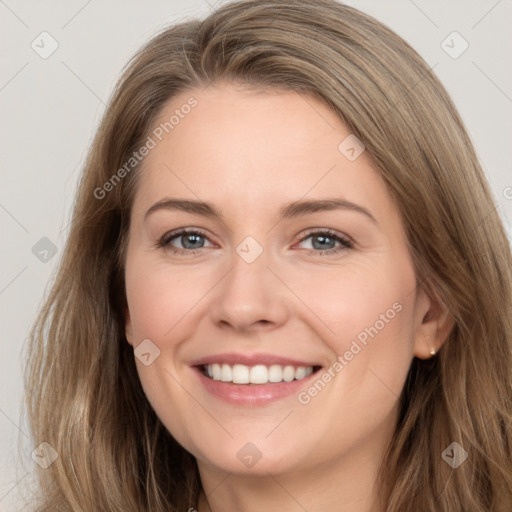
<point x="346" y="243"/>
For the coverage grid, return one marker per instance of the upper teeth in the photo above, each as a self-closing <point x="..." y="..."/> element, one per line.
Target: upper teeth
<point x="259" y="374"/>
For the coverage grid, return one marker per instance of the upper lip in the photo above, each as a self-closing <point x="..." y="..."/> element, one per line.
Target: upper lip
<point x="250" y="360"/>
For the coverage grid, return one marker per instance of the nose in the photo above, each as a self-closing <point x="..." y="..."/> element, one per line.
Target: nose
<point x="250" y="298"/>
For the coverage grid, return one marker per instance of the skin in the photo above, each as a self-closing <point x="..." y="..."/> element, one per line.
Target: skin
<point x="248" y="153"/>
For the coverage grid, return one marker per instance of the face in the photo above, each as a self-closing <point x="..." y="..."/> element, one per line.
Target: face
<point x="293" y="279"/>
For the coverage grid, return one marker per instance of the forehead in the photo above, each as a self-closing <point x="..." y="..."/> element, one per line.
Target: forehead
<point x="251" y="149"/>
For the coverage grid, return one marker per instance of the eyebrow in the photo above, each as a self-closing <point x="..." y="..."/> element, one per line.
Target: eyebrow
<point x="288" y="211"/>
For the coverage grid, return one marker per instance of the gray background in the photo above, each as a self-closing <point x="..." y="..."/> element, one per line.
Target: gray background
<point x="50" y="109"/>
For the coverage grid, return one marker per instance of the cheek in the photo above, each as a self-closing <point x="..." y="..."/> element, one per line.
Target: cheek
<point x="159" y="303"/>
<point x="353" y="303"/>
<point x="160" y="297"/>
<point x="364" y="314"/>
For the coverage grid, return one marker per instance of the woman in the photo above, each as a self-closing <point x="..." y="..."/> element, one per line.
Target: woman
<point x="286" y="285"/>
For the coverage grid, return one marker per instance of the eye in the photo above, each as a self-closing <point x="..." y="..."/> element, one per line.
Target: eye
<point x="189" y="239"/>
<point x="324" y="242"/>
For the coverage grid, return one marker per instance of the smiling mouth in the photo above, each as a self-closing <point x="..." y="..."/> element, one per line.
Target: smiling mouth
<point x="257" y="374"/>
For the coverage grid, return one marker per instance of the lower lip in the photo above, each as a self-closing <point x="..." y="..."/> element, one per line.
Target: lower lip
<point x="252" y="394"/>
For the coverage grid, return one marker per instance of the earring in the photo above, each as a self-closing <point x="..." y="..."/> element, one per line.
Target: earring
<point x="433" y="351"/>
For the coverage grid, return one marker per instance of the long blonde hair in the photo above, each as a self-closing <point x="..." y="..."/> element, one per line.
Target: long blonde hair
<point x="85" y="398"/>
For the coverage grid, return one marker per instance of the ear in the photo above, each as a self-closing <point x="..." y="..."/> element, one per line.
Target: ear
<point x="433" y="325"/>
<point x="128" y="327"/>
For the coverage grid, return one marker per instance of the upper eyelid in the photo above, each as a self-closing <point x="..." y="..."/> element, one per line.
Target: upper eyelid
<point x="330" y="231"/>
<point x="176" y="233"/>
